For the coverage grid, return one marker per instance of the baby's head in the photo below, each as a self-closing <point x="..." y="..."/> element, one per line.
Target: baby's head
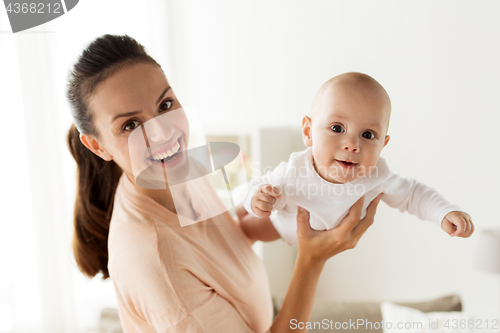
<point x="348" y="127"/>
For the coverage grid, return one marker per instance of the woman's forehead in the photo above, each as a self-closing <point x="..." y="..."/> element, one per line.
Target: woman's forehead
<point x="132" y="88"/>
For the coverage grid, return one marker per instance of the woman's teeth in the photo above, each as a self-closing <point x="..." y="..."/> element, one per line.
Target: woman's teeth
<point x="171" y="151"/>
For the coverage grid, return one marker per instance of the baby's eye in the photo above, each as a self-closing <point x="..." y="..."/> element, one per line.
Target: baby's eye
<point x="168" y="105"/>
<point x="126" y="126"/>
<point x="337" y="128"/>
<point x="368" y="135"/>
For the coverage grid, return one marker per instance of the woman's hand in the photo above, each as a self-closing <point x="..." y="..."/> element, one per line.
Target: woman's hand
<point x="320" y="245"/>
<point x="315" y="247"/>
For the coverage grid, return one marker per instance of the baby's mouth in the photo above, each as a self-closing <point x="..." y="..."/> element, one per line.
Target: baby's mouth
<point x="347" y="164"/>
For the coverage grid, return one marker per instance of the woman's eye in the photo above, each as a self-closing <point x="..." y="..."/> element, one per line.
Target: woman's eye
<point x="166" y="105"/>
<point x="368" y="135"/>
<point x="337" y="128"/>
<point x="127" y="128"/>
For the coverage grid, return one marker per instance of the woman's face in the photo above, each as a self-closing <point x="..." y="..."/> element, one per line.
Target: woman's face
<point x="129" y="102"/>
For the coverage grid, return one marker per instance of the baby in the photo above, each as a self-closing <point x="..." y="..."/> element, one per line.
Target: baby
<point x="344" y="135"/>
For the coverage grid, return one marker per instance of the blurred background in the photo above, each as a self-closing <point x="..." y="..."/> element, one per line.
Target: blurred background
<point x="252" y="70"/>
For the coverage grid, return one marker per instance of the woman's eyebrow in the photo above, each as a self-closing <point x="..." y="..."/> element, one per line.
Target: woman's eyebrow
<point x="127" y="114"/>
<point x="132" y="113"/>
<point x="162" y="94"/>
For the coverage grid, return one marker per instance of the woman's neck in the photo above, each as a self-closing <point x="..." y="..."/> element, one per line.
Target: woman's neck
<point x="161" y="196"/>
<point x="165" y="198"/>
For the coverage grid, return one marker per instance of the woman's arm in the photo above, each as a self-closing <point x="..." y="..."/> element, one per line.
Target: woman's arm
<point x="315" y="248"/>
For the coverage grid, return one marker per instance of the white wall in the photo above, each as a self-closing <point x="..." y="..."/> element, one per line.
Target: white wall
<point x="259" y="64"/>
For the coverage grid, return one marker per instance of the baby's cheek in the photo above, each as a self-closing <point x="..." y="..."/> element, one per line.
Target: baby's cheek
<point x="368" y="168"/>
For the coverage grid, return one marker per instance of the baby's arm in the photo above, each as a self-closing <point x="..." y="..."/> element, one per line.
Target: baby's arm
<point x="256" y="228"/>
<point x="407" y="194"/>
<point x="458" y="223"/>
<point x="263" y="200"/>
<point x="277" y="179"/>
<point x="257" y="205"/>
<point x="260" y="227"/>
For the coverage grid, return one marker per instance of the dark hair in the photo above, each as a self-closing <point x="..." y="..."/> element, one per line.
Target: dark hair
<point x="97" y="179"/>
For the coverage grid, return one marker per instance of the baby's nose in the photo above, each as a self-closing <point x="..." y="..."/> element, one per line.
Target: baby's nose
<point x="351" y="146"/>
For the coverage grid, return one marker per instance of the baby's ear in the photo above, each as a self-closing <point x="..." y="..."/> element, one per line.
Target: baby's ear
<point x="387" y="137"/>
<point x="306" y="131"/>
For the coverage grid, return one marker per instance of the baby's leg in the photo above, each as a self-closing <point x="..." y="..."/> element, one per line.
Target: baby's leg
<point x="256" y="228"/>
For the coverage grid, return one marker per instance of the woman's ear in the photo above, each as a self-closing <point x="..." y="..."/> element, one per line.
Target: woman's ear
<point x="387" y="137"/>
<point x="93" y="145"/>
<point x="307" y="131"/>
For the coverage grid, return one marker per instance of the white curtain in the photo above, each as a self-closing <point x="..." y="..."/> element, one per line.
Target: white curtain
<point x="41" y="289"/>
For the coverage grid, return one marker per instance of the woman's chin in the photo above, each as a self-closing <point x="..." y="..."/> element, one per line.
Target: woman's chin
<point x="157" y="177"/>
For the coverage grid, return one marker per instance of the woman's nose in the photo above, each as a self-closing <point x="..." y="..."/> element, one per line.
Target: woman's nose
<point x="158" y="131"/>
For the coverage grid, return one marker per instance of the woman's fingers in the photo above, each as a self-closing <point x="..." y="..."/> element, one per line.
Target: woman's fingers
<point x="367" y="221"/>
<point x="372" y="207"/>
<point x="302" y="221"/>
<point x="321" y="245"/>
<point x="352" y="218"/>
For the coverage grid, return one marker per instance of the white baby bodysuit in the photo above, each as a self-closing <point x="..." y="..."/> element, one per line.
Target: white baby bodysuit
<point x="328" y="203"/>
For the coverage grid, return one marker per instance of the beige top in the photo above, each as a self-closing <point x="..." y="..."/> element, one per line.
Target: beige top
<point x="203" y="277"/>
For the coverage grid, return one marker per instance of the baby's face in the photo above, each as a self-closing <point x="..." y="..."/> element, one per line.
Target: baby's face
<point x="347" y="131"/>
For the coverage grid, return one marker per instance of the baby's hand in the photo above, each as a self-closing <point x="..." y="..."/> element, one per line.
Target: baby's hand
<point x="457" y="224"/>
<point x="264" y="199"/>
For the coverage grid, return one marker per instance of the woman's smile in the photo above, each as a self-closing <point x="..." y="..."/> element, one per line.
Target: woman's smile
<point x="172" y="157"/>
<point x="166" y="153"/>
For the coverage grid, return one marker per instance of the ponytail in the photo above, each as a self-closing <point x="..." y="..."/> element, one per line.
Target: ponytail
<point x="97" y="179"/>
<point x="97" y="182"/>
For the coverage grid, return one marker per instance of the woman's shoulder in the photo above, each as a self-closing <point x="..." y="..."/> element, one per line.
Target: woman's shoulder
<point x="140" y="275"/>
<point x="132" y="237"/>
<point x="128" y="226"/>
<point x="131" y="240"/>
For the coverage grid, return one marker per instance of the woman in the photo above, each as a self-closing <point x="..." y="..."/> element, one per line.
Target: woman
<point x="203" y="277"/>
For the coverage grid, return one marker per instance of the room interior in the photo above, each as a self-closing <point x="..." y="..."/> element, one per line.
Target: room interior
<point x="252" y="70"/>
